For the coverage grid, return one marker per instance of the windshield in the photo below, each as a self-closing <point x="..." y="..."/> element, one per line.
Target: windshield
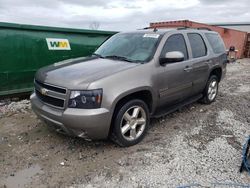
<point x="134" y="47"/>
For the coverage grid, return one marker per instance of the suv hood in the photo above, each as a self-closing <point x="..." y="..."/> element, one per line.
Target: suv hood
<point x="78" y="73"/>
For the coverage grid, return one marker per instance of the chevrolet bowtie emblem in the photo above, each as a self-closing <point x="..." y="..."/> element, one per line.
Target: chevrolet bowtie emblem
<point x="44" y="91"/>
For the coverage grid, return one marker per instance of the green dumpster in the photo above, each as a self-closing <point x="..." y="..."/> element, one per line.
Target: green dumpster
<point x="26" y="48"/>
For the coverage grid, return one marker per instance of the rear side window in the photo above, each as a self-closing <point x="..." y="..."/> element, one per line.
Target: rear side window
<point x="216" y="43"/>
<point x="197" y="45"/>
<point x="175" y="42"/>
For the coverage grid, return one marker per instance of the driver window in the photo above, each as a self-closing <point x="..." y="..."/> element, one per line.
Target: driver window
<point x="175" y="42"/>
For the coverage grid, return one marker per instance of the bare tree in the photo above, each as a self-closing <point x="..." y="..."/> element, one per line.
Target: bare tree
<point x="94" y="25"/>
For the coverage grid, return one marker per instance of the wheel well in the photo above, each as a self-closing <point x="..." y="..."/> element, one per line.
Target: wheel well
<point x="217" y="72"/>
<point x="144" y="95"/>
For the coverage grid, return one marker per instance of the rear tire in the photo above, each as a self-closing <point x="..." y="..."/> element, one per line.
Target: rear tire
<point x="130" y="123"/>
<point x="211" y="90"/>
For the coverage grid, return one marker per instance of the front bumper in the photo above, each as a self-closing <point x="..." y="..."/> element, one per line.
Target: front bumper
<point x="86" y="123"/>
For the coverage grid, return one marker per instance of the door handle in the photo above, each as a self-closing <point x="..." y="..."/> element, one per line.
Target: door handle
<point x="187" y="68"/>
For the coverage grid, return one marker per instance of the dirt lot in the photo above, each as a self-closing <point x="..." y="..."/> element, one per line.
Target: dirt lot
<point x="201" y="144"/>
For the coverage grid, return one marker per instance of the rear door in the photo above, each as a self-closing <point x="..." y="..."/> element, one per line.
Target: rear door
<point x="200" y="62"/>
<point x="175" y="79"/>
<point x="219" y="50"/>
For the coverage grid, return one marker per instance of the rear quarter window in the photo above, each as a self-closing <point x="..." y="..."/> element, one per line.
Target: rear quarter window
<point x="215" y="42"/>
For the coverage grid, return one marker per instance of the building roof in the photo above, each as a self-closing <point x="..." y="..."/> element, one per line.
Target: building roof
<point x="192" y="24"/>
<point x="231" y="24"/>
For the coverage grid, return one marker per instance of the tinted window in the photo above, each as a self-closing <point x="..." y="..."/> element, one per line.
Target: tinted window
<point x="175" y="43"/>
<point x="197" y="44"/>
<point x="216" y="43"/>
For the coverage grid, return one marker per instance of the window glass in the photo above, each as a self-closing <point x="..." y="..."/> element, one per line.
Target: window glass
<point x="175" y="42"/>
<point x="216" y="43"/>
<point x="197" y="45"/>
<point x="133" y="46"/>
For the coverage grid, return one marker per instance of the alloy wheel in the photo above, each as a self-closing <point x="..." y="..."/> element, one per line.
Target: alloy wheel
<point x="212" y="90"/>
<point x="133" y="123"/>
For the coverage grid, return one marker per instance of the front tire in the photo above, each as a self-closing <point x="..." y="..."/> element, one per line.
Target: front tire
<point x="130" y="123"/>
<point x="211" y="90"/>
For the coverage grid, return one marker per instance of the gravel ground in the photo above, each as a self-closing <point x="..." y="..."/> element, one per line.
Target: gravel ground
<point x="198" y="145"/>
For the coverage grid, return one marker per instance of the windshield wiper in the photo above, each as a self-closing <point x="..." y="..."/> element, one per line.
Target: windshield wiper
<point x="119" y="58"/>
<point x="98" y="55"/>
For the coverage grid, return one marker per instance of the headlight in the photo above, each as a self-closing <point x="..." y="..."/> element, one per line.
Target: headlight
<point x="88" y="99"/>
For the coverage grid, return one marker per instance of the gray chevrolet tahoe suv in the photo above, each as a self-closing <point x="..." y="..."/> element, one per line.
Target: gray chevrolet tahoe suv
<point x="131" y="77"/>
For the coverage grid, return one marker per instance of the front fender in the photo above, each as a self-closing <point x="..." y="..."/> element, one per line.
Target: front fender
<point x="132" y="91"/>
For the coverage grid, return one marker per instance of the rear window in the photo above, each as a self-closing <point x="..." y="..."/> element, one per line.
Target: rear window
<point x="198" y="46"/>
<point x="216" y="43"/>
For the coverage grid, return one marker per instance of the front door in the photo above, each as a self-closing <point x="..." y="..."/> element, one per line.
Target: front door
<point x="175" y="82"/>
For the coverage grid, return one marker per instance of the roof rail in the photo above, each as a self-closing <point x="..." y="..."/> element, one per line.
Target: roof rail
<point x="145" y="28"/>
<point x="204" y="28"/>
<point x="183" y="28"/>
<point x="199" y="28"/>
<point x="155" y="29"/>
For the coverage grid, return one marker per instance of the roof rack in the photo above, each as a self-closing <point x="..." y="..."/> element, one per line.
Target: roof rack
<point x="183" y="28"/>
<point x="145" y="28"/>
<point x="204" y="28"/>
<point x="154" y="29"/>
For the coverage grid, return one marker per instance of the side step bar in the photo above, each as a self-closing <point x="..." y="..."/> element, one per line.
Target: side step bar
<point x="168" y="110"/>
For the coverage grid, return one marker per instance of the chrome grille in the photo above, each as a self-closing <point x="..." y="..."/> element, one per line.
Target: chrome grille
<point x="52" y="95"/>
<point x="51" y="87"/>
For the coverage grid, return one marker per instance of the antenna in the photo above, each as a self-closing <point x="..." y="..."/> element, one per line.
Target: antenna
<point x="155" y="29"/>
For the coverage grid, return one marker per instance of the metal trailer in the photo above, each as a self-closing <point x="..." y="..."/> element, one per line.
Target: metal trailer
<point x="26" y="48"/>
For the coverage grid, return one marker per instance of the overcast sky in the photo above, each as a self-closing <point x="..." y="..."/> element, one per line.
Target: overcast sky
<point x="121" y="15"/>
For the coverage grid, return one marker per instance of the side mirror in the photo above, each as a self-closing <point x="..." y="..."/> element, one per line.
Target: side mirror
<point x="172" y="57"/>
